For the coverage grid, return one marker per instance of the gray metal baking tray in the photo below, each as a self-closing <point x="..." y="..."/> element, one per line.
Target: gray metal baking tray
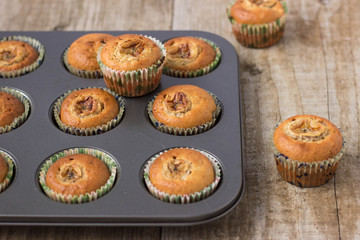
<point x="131" y="143"/>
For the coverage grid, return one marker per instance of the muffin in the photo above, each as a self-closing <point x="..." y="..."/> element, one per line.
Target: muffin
<point x="258" y="24"/>
<point x="88" y="111"/>
<point x="182" y="175"/>
<point x="78" y="175"/>
<point x="6" y="170"/>
<point x="10" y="108"/>
<point x="14" y="109"/>
<point x="3" y="169"/>
<point x="19" y="55"/>
<point x="184" y="110"/>
<point x="132" y="64"/>
<point x="80" y="57"/>
<point x="308" y="150"/>
<point x="190" y="57"/>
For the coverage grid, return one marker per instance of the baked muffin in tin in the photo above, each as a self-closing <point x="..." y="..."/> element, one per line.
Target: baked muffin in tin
<point x="182" y="175"/>
<point x="88" y="111"/>
<point x="6" y="170"/>
<point x="14" y="109"/>
<point x="190" y="57"/>
<point x="19" y="55"/>
<point x="78" y="175"/>
<point x="80" y="57"/>
<point x="184" y="110"/>
<point x="132" y="64"/>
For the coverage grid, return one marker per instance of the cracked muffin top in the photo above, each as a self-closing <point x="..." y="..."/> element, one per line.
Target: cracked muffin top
<point x="77" y="174"/>
<point x="15" y="55"/>
<point x="10" y="108"/>
<point x="83" y="51"/>
<point x="184" y="106"/>
<point x="130" y="52"/>
<point x="308" y="138"/>
<point x="181" y="171"/>
<point x="188" y="53"/>
<point x="257" y="11"/>
<point x="90" y="107"/>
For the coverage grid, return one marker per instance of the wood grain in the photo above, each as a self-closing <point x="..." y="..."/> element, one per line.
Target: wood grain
<point x="314" y="69"/>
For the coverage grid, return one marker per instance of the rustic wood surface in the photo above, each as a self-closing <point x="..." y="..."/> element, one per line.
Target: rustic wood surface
<point x="314" y="69"/>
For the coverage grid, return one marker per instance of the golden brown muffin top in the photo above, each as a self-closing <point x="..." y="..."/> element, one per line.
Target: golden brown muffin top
<point x="181" y="171"/>
<point x="10" y="108"/>
<point x="130" y="52"/>
<point x="188" y="53"/>
<point x="90" y="107"/>
<point x="3" y="169"/>
<point x="83" y="51"/>
<point x="15" y="55"/>
<point x="77" y="174"/>
<point x="184" y="106"/>
<point x="257" y="11"/>
<point x="308" y="138"/>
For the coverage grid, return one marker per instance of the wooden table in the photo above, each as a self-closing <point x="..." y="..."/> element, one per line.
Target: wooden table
<point x="314" y="69"/>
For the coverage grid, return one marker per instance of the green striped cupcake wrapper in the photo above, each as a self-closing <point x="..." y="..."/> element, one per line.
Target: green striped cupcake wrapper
<point x="198" y="72"/>
<point x="306" y="174"/>
<point x="88" y="131"/>
<point x="259" y="35"/>
<point x="34" y="43"/>
<point x="134" y="83"/>
<point x="8" y="159"/>
<point x="185" y="198"/>
<point x="184" y="131"/>
<point x="83" y="198"/>
<point x="22" y="118"/>
<point x="79" y="72"/>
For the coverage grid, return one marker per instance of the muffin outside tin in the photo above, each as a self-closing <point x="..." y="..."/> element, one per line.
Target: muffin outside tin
<point x="131" y="143"/>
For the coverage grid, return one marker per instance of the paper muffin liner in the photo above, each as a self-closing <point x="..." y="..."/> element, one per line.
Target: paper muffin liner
<point x="259" y="35"/>
<point x="307" y="174"/>
<point x="35" y="44"/>
<point x="134" y="83"/>
<point x="80" y="72"/>
<point x="93" y="130"/>
<point x="184" y="131"/>
<point x="184" y="198"/>
<point x="10" y="162"/>
<point x="83" y="198"/>
<point x="197" y="72"/>
<point x="22" y="118"/>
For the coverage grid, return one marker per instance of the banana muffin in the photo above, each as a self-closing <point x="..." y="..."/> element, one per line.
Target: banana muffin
<point x="190" y="57"/>
<point x="80" y="58"/>
<point x="89" y="107"/>
<point x="10" y="108"/>
<point x="15" y="55"/>
<point x="3" y="169"/>
<point x="184" y="109"/>
<point x="77" y="174"/>
<point x="258" y="23"/>
<point x="308" y="150"/>
<point x="132" y="64"/>
<point x="181" y="171"/>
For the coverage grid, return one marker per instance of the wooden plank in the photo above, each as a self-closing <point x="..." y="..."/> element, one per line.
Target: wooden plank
<point x="47" y="15"/>
<point x="81" y="233"/>
<point x="339" y="21"/>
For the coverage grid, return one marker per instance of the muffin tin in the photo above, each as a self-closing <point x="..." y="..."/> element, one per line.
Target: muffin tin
<point x="132" y="143"/>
